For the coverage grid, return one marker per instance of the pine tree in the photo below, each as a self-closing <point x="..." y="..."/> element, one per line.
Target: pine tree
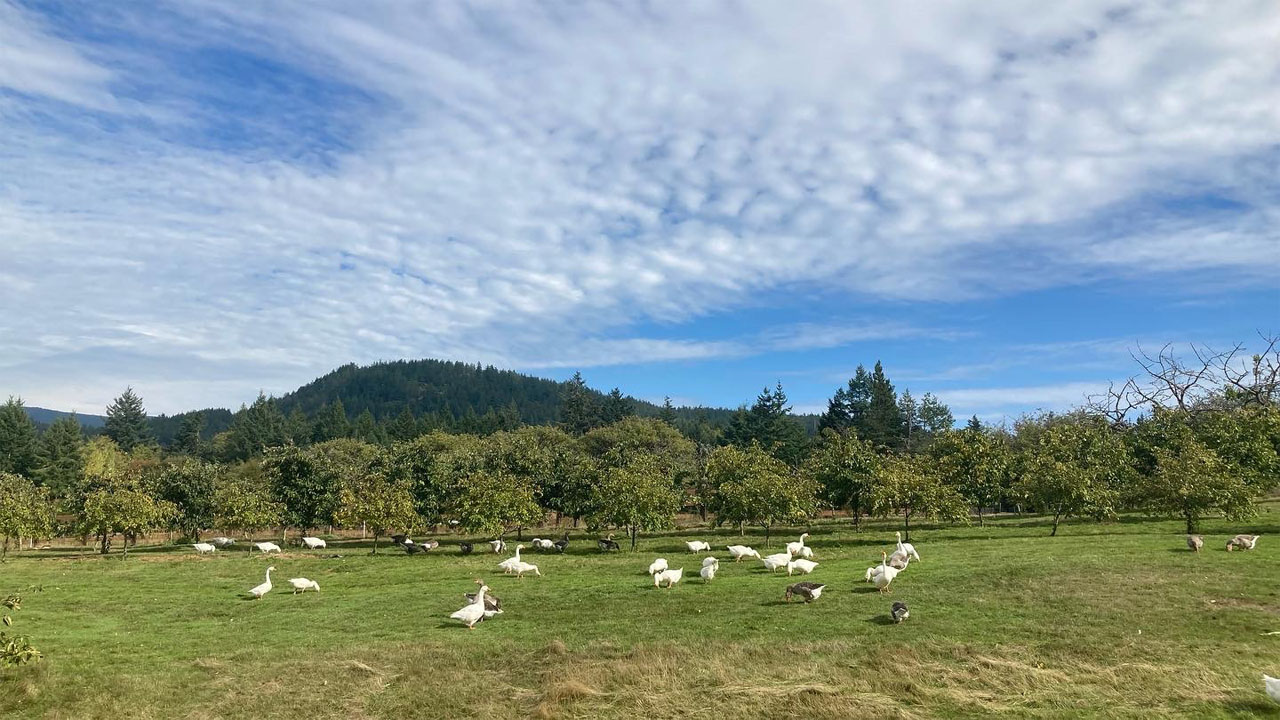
<point x="61" y="459"/>
<point x="188" y="438"/>
<point x="615" y="407"/>
<point x="256" y="428"/>
<point x="127" y="421"/>
<point x="910" y="419"/>
<point x="975" y="425"/>
<point x="848" y="407"/>
<point x="366" y="429"/>
<point x="298" y="427"/>
<point x="884" y="424"/>
<point x="934" y="416"/>
<point x="404" y="427"/>
<point x="668" y="412"/>
<point x="770" y="424"/>
<point x="17" y="439"/>
<point x="579" y="411"/>
<point x="331" y="422"/>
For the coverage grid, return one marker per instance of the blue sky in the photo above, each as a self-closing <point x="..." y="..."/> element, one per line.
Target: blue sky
<point x="999" y="200"/>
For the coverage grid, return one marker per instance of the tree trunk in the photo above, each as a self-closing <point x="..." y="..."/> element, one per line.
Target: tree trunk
<point x="980" y="523"/>
<point x="105" y="543"/>
<point x="766" y="536"/>
<point x="1191" y="523"/>
<point x="1056" y="516"/>
<point x="906" y="530"/>
<point x="375" y="543"/>
<point x="519" y="533"/>
<point x="5" y="552"/>
<point x="634" y="532"/>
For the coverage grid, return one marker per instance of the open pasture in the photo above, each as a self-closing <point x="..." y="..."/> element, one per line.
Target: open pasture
<point x="1106" y="620"/>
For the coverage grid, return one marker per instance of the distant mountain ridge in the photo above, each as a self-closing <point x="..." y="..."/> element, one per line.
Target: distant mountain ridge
<point x="426" y="386"/>
<point x="45" y="416"/>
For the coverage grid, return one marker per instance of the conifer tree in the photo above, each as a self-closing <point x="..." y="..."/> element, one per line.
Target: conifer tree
<point x="127" y="421"/>
<point x="61" y="457"/>
<point x="18" y="447"/>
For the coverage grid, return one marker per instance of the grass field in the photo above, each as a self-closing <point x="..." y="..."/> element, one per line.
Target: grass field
<point x="1106" y="620"/>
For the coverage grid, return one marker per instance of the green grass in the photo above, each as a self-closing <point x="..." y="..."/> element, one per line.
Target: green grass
<point x="1106" y="620"/>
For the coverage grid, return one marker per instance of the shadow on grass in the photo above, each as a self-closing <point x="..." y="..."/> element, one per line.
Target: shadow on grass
<point x="881" y="620"/>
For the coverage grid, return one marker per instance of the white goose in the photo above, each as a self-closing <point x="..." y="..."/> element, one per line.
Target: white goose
<point x="508" y="566"/>
<point x="710" y="560"/>
<point x="203" y="548"/>
<point x="521" y="568"/>
<point x="473" y="612"/>
<point x="795" y="548"/>
<point x="658" y="566"/>
<point x="886" y="575"/>
<point x="222" y="542"/>
<point x="544" y="544"/>
<point x="742" y="551"/>
<point x="670" y="577"/>
<point x="1272" y="685"/>
<point x="497" y="545"/>
<point x="303" y="585"/>
<point x="265" y="587"/>
<point x="802" y="565"/>
<point x="314" y="543"/>
<point x="906" y="548"/>
<point x="267" y="547"/>
<point x="775" y="561"/>
<point x="708" y="571"/>
<point x="698" y="546"/>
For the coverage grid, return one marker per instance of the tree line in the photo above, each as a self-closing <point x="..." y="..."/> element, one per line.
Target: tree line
<point x="1174" y="442"/>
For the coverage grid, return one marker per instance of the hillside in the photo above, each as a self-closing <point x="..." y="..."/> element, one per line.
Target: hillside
<point x="450" y="388"/>
<point x="44" y="416"/>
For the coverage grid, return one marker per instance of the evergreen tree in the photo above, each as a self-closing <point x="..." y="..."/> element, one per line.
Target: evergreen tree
<point x="298" y="427"/>
<point x="18" y="448"/>
<point x="404" y="427"/>
<point x="974" y="425"/>
<point x="188" y="438"/>
<point x="127" y="421"/>
<point x="769" y="424"/>
<point x="331" y="422"/>
<point x="849" y="406"/>
<point x="579" y="411"/>
<point x="668" y="413"/>
<point x="934" y="416"/>
<point x="61" y="458"/>
<point x="256" y="428"/>
<point x="366" y="429"/>
<point x="837" y="416"/>
<point x="883" y="424"/>
<point x="910" y="413"/>
<point x="615" y="407"/>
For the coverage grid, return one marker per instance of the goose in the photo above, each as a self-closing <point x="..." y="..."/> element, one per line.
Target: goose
<point x="497" y="545"/>
<point x="562" y="543"/>
<point x="508" y="566"/>
<point x="1244" y="542"/>
<point x="475" y="611"/>
<point x="710" y="560"/>
<point x="697" y="546"/>
<point x="807" y="591"/>
<point x="806" y="552"/>
<point x="1272" y="685"/>
<point x="886" y="574"/>
<point x="265" y="587"/>
<point x="898" y="563"/>
<point x="267" y="547"/>
<point x="465" y="548"/>
<point x="708" y="571"/>
<point x="899" y="560"/>
<point x="303" y="585"/>
<point x="400" y="539"/>
<point x="1195" y="542"/>
<point x="223" y="542"/>
<point x="742" y="551"/>
<point x="775" y="561"/>
<point x="906" y="548"/>
<point x="203" y="548"/>
<point x="429" y="545"/>
<point x="794" y="548"/>
<point x="543" y="544"/>
<point x="804" y="566"/>
<point x="491" y="603"/>
<point x="314" y="543"/>
<point x="607" y="543"/>
<point x="658" y="566"/>
<point x="521" y="568"/>
<point x="670" y="577"/>
<point x="899" y="611"/>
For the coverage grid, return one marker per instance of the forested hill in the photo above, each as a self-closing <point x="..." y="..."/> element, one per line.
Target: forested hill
<point x="453" y="390"/>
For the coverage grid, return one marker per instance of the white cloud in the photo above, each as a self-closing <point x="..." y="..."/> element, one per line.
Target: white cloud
<point x="518" y="185"/>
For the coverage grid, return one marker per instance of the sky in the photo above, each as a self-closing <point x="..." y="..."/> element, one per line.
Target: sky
<point x="999" y="200"/>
